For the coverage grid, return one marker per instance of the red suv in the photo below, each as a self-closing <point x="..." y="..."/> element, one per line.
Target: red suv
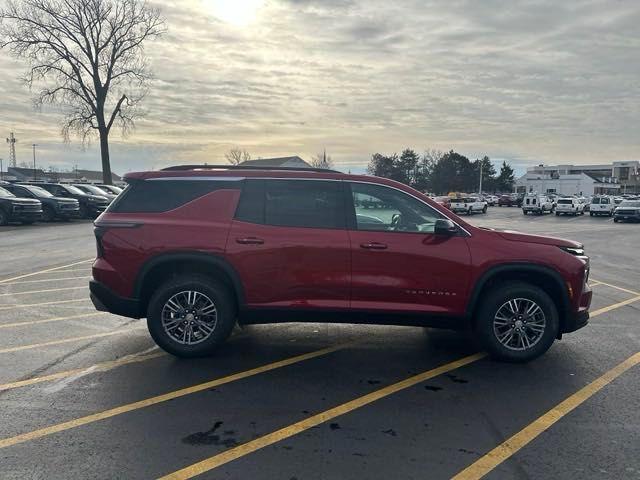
<point x="195" y="249"/>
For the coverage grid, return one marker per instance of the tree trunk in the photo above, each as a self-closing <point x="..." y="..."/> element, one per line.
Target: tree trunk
<point x="104" y="153"/>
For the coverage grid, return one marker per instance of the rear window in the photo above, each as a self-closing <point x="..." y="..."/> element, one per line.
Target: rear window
<point x="565" y="201"/>
<point x="155" y="196"/>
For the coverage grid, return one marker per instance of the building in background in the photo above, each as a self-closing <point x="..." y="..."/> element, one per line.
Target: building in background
<point x="294" y="161"/>
<point x="571" y="184"/>
<point x="626" y="174"/>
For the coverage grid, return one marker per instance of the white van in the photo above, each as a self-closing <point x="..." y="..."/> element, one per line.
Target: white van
<point x="569" y="206"/>
<point x="536" y="203"/>
<point x="602" y="205"/>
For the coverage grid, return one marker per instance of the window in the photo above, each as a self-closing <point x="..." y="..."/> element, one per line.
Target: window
<point x="385" y="209"/>
<point x="155" y="196"/>
<point x="251" y="205"/>
<point x="304" y="203"/>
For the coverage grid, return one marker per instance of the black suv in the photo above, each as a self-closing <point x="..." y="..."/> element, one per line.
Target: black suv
<point x="90" y="205"/>
<point x="14" y="209"/>
<point x="52" y="207"/>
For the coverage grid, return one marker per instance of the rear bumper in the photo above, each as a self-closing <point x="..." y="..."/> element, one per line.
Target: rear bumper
<point x="105" y="300"/>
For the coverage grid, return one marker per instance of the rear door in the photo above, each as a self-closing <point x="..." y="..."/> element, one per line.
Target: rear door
<point x="398" y="264"/>
<point x="290" y="245"/>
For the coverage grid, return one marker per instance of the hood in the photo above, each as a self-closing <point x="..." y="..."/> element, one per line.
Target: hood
<point x="24" y="201"/>
<point x="539" y="239"/>
<point x="63" y="199"/>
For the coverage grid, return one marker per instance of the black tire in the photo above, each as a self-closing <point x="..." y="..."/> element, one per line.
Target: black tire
<point x="48" y="214"/>
<point x="499" y="296"/>
<point x="84" y="211"/>
<point x="557" y="214"/>
<point x="4" y="218"/>
<point x="217" y="292"/>
<point x="484" y="210"/>
<point x="591" y="214"/>
<point x="524" y="212"/>
<point x="615" y="220"/>
<point x="27" y="222"/>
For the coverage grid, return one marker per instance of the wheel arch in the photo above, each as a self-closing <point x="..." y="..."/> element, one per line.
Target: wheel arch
<point x="541" y="276"/>
<point x="158" y="269"/>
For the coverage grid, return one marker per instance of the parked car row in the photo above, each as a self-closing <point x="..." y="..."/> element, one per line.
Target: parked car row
<point x="27" y="203"/>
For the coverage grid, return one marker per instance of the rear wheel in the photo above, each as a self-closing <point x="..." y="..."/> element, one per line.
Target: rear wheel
<point x="591" y="214"/>
<point x="484" y="210"/>
<point x="524" y="212"/>
<point x="517" y="322"/>
<point x="191" y="315"/>
<point x="557" y="214"/>
<point x="4" y="218"/>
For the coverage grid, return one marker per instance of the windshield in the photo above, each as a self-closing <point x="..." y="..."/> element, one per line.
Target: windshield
<point x="111" y="188"/>
<point x="630" y="203"/>
<point x="5" y="193"/>
<point x="93" y="189"/>
<point x="74" y="190"/>
<point x="38" y="191"/>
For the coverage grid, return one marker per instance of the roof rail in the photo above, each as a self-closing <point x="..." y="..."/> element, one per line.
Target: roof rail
<point x="247" y="167"/>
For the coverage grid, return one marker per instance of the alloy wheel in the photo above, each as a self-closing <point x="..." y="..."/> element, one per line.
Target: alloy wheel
<point x="189" y="317"/>
<point x="519" y="324"/>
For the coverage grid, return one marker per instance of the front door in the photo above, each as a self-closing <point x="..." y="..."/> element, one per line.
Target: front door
<point x="398" y="264"/>
<point x="290" y="245"/>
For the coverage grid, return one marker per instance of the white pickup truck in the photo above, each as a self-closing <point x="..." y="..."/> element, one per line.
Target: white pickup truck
<point x="569" y="206"/>
<point x="468" y="205"/>
<point x="603" y="205"/>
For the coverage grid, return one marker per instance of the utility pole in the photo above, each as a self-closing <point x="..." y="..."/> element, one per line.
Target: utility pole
<point x="1" y="174"/>
<point x="12" y="150"/>
<point x="480" y="190"/>
<point x="34" y="161"/>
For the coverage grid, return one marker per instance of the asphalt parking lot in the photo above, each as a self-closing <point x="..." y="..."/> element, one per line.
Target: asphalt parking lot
<point x="88" y="395"/>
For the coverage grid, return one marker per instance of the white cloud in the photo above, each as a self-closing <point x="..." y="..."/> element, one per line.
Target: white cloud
<point x="534" y="82"/>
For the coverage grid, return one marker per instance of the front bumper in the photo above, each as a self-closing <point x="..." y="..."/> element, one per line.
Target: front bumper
<point x="576" y="321"/>
<point x="106" y="300"/>
<point x="627" y="216"/>
<point x="26" y="216"/>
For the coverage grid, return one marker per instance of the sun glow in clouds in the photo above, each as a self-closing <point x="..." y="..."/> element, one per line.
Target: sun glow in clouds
<point x="236" y="12"/>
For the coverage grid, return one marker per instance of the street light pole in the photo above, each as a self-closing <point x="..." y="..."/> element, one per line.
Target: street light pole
<point x="480" y="190"/>
<point x="34" y="161"/>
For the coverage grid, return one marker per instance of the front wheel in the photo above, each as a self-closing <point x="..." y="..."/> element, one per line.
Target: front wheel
<point x="484" y="210"/>
<point x="48" y="214"/>
<point x="517" y="322"/>
<point x="191" y="315"/>
<point x="524" y="212"/>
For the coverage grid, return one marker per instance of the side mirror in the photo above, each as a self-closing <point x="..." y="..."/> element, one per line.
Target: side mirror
<point x="445" y="227"/>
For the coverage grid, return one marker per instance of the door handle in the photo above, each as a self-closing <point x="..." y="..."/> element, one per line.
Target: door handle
<point x="250" y="241"/>
<point x="373" y="246"/>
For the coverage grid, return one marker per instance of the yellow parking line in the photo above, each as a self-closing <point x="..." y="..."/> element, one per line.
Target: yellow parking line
<point x="45" y="280"/>
<point x="43" y="291"/>
<point x="508" y="448"/>
<point x="298" y="427"/>
<point x="68" y="340"/>
<point x="284" y="433"/>
<point x="98" y="367"/>
<point x="594" y="284"/>
<point x="6" y="280"/>
<point x="614" y="306"/>
<point x="632" y="292"/>
<point x="43" y="432"/>
<point x="19" y="305"/>
<point x="49" y="320"/>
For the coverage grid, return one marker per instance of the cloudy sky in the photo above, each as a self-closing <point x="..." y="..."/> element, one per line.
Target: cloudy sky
<point x="538" y="81"/>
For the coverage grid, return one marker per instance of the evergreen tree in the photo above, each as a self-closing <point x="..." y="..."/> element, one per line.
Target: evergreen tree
<point x="506" y="179"/>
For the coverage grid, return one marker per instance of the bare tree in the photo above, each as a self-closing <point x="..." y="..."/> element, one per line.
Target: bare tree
<point x="87" y="56"/>
<point x="237" y="155"/>
<point x="322" y="160"/>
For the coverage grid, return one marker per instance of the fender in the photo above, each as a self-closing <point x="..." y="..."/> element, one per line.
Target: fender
<point x="520" y="267"/>
<point x="211" y="259"/>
